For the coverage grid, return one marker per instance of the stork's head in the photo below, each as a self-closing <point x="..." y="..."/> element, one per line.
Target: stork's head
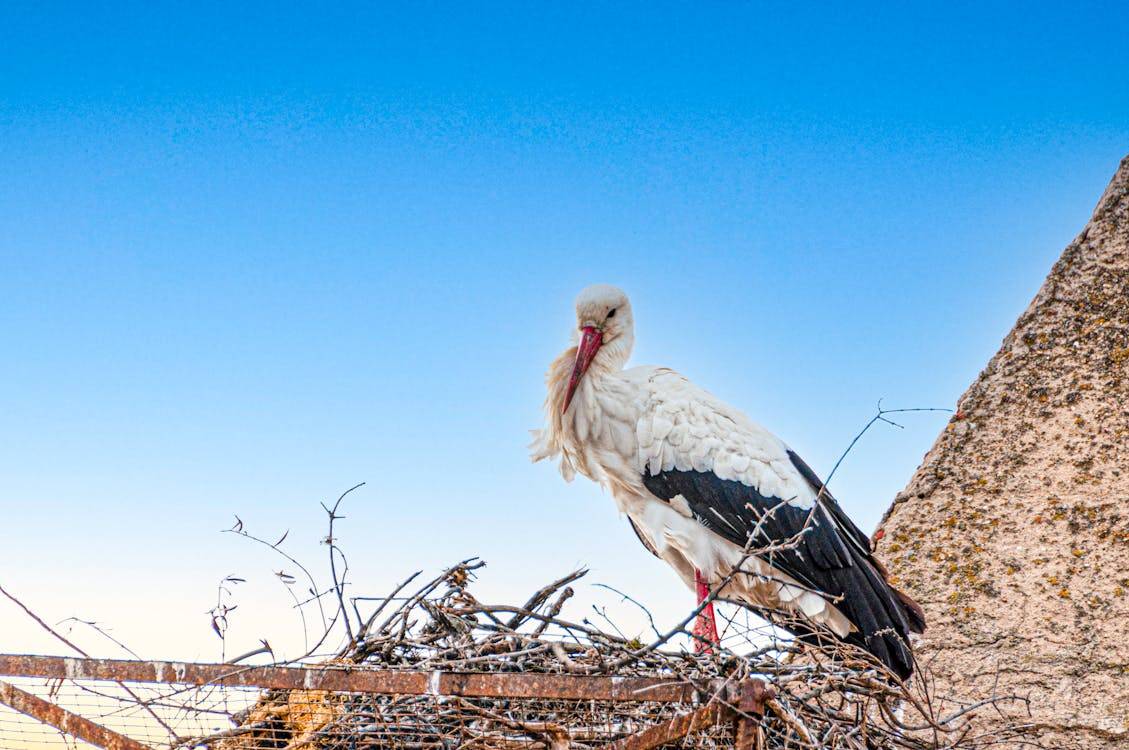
<point x="604" y="330"/>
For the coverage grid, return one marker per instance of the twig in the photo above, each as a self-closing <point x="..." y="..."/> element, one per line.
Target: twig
<point x="331" y="542"/>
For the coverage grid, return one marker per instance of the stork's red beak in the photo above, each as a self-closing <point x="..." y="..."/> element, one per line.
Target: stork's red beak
<point x="590" y="340"/>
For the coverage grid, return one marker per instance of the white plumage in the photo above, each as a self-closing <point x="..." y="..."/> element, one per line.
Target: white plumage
<point x="633" y="429"/>
<point x="654" y="418"/>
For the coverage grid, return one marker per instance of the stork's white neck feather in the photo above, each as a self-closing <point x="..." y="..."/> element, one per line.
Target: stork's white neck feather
<point x="597" y="432"/>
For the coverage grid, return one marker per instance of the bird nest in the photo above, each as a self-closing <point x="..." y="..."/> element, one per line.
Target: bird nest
<point x="820" y="695"/>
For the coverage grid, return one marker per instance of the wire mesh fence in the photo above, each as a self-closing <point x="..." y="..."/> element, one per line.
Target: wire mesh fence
<point x="132" y="715"/>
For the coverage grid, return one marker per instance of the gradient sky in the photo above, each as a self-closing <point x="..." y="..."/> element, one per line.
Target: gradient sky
<point x="252" y="256"/>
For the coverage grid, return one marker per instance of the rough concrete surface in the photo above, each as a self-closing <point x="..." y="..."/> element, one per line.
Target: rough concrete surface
<point x="1014" y="531"/>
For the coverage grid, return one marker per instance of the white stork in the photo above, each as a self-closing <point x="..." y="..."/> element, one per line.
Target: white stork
<point x="696" y="478"/>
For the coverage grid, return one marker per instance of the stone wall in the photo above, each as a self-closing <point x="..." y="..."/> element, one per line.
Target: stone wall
<point x="1014" y="532"/>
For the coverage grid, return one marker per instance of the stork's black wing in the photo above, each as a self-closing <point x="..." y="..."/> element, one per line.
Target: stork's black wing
<point x="830" y="555"/>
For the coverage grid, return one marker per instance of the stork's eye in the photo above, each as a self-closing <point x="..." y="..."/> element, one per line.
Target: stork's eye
<point x="611" y="313"/>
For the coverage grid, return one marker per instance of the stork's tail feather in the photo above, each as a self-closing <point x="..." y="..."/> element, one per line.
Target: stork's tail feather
<point x="883" y="615"/>
<point x="889" y="648"/>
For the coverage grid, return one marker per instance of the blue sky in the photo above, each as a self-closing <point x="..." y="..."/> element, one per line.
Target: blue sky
<point x="250" y="257"/>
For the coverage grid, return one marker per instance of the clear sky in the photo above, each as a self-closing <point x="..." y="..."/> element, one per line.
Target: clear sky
<point x="251" y="256"/>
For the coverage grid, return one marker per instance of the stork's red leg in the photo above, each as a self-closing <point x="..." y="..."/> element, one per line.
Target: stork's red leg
<point x="705" y="627"/>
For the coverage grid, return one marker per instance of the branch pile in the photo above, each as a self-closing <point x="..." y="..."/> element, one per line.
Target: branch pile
<point x="825" y="696"/>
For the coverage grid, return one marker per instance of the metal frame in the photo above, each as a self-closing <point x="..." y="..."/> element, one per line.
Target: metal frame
<point x="65" y="721"/>
<point x="742" y="704"/>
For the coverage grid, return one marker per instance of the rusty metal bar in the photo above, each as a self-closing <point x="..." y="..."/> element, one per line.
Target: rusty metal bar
<point x="346" y="678"/>
<point x="65" y="721"/>
<point x="743" y="707"/>
<point x="751" y="696"/>
<point x="709" y="715"/>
